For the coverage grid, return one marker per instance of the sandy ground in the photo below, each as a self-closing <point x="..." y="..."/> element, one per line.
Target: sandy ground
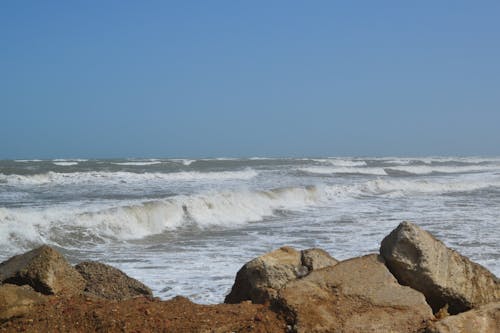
<point x="85" y="314"/>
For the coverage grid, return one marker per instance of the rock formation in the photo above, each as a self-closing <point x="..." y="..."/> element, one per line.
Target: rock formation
<point x="109" y="282"/>
<point x="44" y="269"/>
<point x="445" y="277"/>
<point x="485" y="319"/>
<point x="260" y="279"/>
<point x="356" y="295"/>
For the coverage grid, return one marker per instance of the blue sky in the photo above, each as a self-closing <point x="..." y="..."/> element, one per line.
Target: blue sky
<point x="249" y="78"/>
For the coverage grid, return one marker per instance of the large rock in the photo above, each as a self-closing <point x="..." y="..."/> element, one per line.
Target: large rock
<point x="356" y="295"/>
<point x="485" y="319"/>
<point x="108" y="282"/>
<point x="15" y="301"/>
<point x="445" y="277"/>
<point x="44" y="269"/>
<point x="260" y="279"/>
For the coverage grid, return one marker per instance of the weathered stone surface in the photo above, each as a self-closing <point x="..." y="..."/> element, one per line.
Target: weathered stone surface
<point x="15" y="301"/>
<point x="44" y="269"/>
<point x="420" y="261"/>
<point x="109" y="282"/>
<point x="356" y="295"/>
<point x="260" y="279"/>
<point x="485" y="319"/>
<point x="317" y="258"/>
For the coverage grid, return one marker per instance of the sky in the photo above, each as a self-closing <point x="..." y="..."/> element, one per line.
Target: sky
<point x="105" y="79"/>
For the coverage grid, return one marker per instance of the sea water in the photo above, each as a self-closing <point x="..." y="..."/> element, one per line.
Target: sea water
<point x="185" y="226"/>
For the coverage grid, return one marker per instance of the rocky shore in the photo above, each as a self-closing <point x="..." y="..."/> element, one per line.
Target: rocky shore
<point x="414" y="284"/>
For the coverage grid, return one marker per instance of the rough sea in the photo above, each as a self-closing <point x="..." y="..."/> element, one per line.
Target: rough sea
<point x="185" y="227"/>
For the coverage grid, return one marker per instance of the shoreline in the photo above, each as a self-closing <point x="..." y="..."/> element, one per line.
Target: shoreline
<point x="400" y="289"/>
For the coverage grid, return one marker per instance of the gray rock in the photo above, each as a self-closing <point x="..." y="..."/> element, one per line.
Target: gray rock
<point x="355" y="296"/>
<point x="44" y="269"/>
<point x="445" y="277"/>
<point x="485" y="319"/>
<point x="111" y="283"/>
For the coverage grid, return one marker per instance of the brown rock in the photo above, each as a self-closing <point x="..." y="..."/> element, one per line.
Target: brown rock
<point x="44" y="269"/>
<point x="317" y="258"/>
<point x="260" y="279"/>
<point x="16" y="301"/>
<point x="420" y="261"/>
<point x="356" y="295"/>
<point x="109" y="282"/>
<point x="485" y="319"/>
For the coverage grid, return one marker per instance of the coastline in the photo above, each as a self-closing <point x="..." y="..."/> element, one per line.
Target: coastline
<point x="285" y="290"/>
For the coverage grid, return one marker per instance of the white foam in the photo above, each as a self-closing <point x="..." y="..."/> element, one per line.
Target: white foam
<point x="56" y="178"/>
<point x="20" y="226"/>
<point x="340" y="162"/>
<point x="428" y="169"/>
<point x="138" y="163"/>
<point x="324" y="170"/>
<point x="65" y="163"/>
<point x="403" y="187"/>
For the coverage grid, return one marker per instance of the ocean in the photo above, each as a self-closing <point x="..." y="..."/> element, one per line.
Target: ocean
<point x="185" y="226"/>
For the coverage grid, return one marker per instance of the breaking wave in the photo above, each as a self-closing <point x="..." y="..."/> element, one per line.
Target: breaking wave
<point x="121" y="177"/>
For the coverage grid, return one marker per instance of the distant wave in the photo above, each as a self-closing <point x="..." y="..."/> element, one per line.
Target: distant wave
<point x="325" y="170"/>
<point x="57" y="178"/>
<point x="138" y="163"/>
<point x="429" y="169"/>
<point x="65" y="163"/>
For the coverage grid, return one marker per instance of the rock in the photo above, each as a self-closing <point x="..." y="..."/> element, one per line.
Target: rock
<point x="485" y="319"/>
<point x="44" y="269"/>
<point x="108" y="282"/>
<point x="317" y="258"/>
<point x="420" y="261"/>
<point x="16" y="301"/>
<point x="260" y="279"/>
<point x="356" y="295"/>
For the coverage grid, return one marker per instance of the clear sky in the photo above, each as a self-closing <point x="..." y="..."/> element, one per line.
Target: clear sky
<point x="249" y="78"/>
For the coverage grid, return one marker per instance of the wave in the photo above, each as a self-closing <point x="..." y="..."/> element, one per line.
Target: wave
<point x="429" y="169"/>
<point x="62" y="225"/>
<point x="324" y="170"/>
<point x="340" y="162"/>
<point x="138" y="163"/>
<point x="72" y="224"/>
<point x="65" y="163"/>
<point x="121" y="177"/>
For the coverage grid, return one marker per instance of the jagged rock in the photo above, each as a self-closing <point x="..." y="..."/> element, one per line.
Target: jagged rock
<point x="44" y="269"/>
<point x="485" y="319"/>
<point x="111" y="283"/>
<point x="356" y="295"/>
<point x="260" y="279"/>
<point x="420" y="261"/>
<point x="15" y="301"/>
<point x="317" y="258"/>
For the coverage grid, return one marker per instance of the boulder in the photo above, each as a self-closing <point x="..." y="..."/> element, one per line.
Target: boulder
<point x="445" y="277"/>
<point x="111" y="283"/>
<point x="44" y="269"/>
<point x="15" y="301"/>
<point x="356" y="295"/>
<point x="485" y="319"/>
<point x="317" y="258"/>
<point x="260" y="279"/>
